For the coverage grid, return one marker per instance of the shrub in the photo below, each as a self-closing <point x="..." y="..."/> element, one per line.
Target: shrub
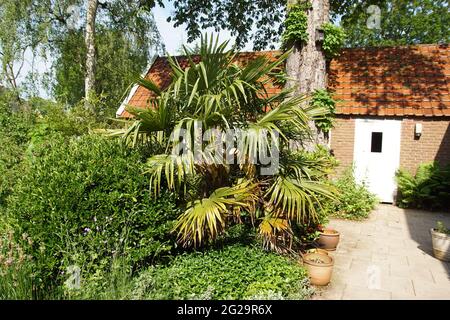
<point x="29" y="123"/>
<point x="354" y="201"/>
<point x="76" y="121"/>
<point x="11" y="154"/>
<point x="234" y="272"/>
<point x="84" y="201"/>
<point x="273" y="199"/>
<point x="14" y="135"/>
<point x="429" y="188"/>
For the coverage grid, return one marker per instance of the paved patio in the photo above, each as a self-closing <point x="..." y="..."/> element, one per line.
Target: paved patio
<point x="388" y="256"/>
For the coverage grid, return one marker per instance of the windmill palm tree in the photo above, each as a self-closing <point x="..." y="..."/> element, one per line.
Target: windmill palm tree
<point x="217" y="93"/>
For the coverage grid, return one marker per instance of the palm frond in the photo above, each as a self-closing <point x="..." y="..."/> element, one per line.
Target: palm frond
<point x="306" y="165"/>
<point x="274" y="232"/>
<point x="257" y="142"/>
<point x="160" y="116"/>
<point x="156" y="120"/>
<point x="205" y="219"/>
<point x="134" y="134"/>
<point x="259" y="68"/>
<point x="175" y="168"/>
<point x="149" y="85"/>
<point x="260" y="134"/>
<point x="297" y="200"/>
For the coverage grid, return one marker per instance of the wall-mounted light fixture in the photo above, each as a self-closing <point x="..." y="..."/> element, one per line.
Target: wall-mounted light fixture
<point x="418" y="130"/>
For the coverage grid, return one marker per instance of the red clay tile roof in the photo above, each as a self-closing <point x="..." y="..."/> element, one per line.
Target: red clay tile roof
<point x="392" y="81"/>
<point x="387" y="81"/>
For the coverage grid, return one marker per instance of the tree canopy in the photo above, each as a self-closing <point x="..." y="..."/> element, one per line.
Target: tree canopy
<point x="127" y="37"/>
<point x="119" y="61"/>
<point x="402" y="21"/>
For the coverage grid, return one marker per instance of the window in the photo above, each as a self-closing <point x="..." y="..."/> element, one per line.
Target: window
<point x="377" y="142"/>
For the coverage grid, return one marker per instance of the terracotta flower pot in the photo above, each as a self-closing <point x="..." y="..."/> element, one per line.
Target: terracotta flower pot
<point x="317" y="250"/>
<point x="441" y="245"/>
<point x="328" y="239"/>
<point x="319" y="266"/>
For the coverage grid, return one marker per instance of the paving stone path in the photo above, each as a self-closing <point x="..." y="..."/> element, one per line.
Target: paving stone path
<point x="388" y="256"/>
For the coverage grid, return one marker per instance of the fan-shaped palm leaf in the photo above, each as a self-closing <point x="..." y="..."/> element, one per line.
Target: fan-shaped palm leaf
<point x="175" y="167"/>
<point x="256" y="140"/>
<point x="206" y="218"/>
<point x="273" y="229"/>
<point x="297" y="199"/>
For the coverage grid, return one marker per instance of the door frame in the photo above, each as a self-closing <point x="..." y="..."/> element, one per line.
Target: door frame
<point x="363" y="128"/>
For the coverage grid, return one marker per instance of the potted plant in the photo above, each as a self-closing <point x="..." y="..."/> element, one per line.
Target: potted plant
<point x="317" y="250"/>
<point x="319" y="266"/>
<point x="328" y="239"/>
<point x="440" y="237"/>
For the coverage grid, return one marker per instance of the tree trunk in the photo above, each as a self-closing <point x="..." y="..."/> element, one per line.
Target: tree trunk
<point x="11" y="77"/>
<point x="307" y="64"/>
<point x="90" y="49"/>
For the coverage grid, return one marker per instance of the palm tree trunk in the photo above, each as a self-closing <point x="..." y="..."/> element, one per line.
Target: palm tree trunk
<point x="90" y="49"/>
<point x="307" y="64"/>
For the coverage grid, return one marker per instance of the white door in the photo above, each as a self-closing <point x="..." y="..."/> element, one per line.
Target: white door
<point x="377" y="155"/>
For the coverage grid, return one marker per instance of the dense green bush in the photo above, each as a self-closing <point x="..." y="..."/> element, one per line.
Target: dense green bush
<point x="26" y="124"/>
<point x="429" y="188"/>
<point x="235" y="272"/>
<point x="75" y="121"/>
<point x="84" y="201"/>
<point x="11" y="155"/>
<point x="15" y="126"/>
<point x="354" y="200"/>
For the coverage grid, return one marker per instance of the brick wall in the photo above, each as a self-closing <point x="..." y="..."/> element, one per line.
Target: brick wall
<point x="433" y="144"/>
<point x="342" y="139"/>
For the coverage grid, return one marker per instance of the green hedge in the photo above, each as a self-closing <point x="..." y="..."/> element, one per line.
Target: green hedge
<point x="15" y="127"/>
<point x="234" y="272"/>
<point x="84" y="201"/>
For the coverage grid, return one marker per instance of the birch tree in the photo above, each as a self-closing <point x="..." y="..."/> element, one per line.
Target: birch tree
<point x="91" y="15"/>
<point x="41" y="25"/>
